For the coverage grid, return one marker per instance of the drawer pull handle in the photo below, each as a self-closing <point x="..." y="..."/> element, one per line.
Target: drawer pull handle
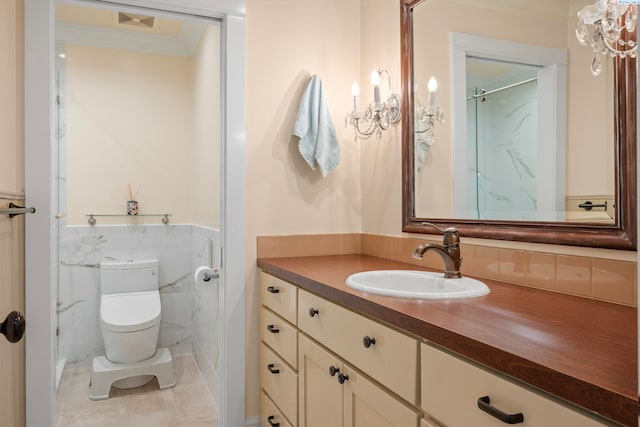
<point x="333" y="370"/>
<point x="273" y="290"/>
<point x="271" y="367"/>
<point x="484" y="403"/>
<point x="272" y="423"/>
<point x="273" y="329"/>
<point x="342" y="378"/>
<point x="367" y="341"/>
<point x="313" y="312"/>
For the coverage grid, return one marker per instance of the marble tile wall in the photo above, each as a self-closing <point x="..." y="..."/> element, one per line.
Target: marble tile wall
<point x="188" y="311"/>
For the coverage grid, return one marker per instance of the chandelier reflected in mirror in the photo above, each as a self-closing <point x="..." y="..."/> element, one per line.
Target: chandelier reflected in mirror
<point x="614" y="22"/>
<point x="378" y="115"/>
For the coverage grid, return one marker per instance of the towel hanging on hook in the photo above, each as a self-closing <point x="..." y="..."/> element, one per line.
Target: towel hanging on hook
<point x="314" y="126"/>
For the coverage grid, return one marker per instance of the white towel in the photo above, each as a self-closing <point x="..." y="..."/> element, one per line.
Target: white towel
<point x="314" y="126"/>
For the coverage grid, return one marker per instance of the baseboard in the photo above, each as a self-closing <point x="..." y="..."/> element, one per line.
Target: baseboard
<point x="252" y="422"/>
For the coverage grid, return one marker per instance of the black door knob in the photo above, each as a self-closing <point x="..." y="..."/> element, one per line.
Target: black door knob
<point x="313" y="311"/>
<point x="273" y="290"/>
<point x="273" y="329"/>
<point x="333" y="370"/>
<point x="13" y="326"/>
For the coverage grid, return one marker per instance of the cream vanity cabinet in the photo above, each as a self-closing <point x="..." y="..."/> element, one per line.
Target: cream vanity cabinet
<point x="322" y="365"/>
<point x="278" y="353"/>
<point x="454" y="390"/>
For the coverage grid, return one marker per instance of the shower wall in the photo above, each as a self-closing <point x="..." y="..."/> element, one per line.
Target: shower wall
<point x="188" y="311"/>
<point x="504" y="177"/>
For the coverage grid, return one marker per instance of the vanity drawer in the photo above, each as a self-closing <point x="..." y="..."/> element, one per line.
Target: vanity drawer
<point x="280" y="382"/>
<point x="392" y="359"/>
<point x="452" y="387"/>
<point x="280" y="336"/>
<point x="279" y="296"/>
<point x="270" y="415"/>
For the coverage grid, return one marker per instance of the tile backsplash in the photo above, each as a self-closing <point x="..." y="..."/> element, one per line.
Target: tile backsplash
<point x="590" y="277"/>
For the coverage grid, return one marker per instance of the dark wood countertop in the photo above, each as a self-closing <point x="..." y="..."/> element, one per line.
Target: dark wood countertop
<point x="582" y="350"/>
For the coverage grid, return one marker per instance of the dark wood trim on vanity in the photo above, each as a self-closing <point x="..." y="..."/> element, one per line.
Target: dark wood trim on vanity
<point x="578" y="349"/>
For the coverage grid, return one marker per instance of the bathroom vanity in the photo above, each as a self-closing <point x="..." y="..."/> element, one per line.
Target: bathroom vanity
<point x="334" y="356"/>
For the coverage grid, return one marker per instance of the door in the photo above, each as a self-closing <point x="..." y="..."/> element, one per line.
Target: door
<point x="320" y="394"/>
<point x="12" y="355"/>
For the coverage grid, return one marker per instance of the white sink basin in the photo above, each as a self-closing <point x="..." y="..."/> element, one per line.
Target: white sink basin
<point x="416" y="284"/>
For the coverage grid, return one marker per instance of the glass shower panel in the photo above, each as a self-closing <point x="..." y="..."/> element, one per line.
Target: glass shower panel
<point x="507" y="153"/>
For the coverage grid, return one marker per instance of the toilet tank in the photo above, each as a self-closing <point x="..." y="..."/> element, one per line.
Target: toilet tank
<point x="134" y="275"/>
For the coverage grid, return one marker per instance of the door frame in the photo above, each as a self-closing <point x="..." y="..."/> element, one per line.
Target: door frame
<point x="40" y="309"/>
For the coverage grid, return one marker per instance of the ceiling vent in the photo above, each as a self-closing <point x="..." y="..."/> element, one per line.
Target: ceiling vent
<point x="136" y="20"/>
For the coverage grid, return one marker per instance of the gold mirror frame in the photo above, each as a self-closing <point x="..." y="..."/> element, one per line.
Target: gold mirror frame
<point x="621" y="235"/>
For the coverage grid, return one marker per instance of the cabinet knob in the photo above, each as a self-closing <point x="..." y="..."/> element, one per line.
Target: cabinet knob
<point x="313" y="312"/>
<point x="367" y="341"/>
<point x="271" y="367"/>
<point x="333" y="370"/>
<point x="342" y="378"/>
<point x="271" y="421"/>
<point x="484" y="403"/>
<point x="273" y="290"/>
<point x="273" y="329"/>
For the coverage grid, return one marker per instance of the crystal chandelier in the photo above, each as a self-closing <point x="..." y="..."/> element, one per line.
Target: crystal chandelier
<point x="610" y="19"/>
<point x="377" y="115"/>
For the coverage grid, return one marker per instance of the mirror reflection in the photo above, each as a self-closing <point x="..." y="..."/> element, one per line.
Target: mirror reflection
<point x="528" y="132"/>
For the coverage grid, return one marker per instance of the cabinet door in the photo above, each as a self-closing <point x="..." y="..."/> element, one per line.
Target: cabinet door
<point x="367" y="405"/>
<point x="320" y="394"/>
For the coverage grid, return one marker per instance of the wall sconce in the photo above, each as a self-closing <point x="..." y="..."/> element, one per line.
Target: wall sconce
<point x="609" y="20"/>
<point x="378" y="115"/>
<point x="425" y="123"/>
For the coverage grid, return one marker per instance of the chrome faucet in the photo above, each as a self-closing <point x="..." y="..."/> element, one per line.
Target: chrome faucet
<point x="449" y="251"/>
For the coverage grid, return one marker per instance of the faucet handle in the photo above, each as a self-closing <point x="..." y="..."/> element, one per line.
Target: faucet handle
<point x="445" y="231"/>
<point x="451" y="235"/>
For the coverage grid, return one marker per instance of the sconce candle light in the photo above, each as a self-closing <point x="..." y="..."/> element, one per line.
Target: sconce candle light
<point x="378" y="115"/>
<point x="425" y="122"/>
<point x="609" y="19"/>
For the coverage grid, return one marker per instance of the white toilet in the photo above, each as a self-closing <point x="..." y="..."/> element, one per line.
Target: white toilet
<point x="130" y="321"/>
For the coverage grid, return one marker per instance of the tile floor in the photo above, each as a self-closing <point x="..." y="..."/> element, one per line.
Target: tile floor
<point x="188" y="404"/>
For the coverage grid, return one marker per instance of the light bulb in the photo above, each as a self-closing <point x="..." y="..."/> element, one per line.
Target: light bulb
<point x="355" y="89"/>
<point x="375" y="78"/>
<point x="433" y="84"/>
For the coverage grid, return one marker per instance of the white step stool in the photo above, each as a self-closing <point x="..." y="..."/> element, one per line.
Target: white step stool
<point x="105" y="373"/>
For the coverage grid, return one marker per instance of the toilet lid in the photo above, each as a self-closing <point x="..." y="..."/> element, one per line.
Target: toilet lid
<point x="131" y="311"/>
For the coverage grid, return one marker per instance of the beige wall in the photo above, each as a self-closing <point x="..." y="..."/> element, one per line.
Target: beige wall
<point x="286" y="43"/>
<point x="128" y="122"/>
<point x="206" y="117"/>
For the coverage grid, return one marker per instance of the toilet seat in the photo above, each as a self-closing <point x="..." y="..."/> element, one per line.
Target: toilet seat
<point x="130" y="312"/>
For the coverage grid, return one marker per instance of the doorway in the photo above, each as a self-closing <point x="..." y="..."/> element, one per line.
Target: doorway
<point x="41" y="293"/>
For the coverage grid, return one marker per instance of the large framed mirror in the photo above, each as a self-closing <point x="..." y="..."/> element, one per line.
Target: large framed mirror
<point x="533" y="146"/>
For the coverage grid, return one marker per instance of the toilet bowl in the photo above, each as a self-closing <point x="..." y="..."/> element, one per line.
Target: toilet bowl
<point x="130" y="325"/>
<point x="130" y="321"/>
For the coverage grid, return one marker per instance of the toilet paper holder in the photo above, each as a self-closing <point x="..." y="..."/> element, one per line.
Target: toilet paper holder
<point x="212" y="273"/>
<point x="205" y="273"/>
